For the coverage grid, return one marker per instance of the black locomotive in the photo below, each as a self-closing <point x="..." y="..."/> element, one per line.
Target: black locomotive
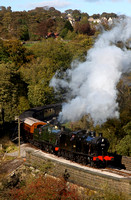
<point x="79" y="146"/>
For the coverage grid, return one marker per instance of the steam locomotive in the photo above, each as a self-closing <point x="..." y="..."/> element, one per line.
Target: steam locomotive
<point x="80" y="146"/>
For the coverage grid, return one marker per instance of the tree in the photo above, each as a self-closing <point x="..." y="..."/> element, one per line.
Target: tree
<point x="96" y="16"/>
<point x="76" y="14"/>
<point x="42" y="29"/>
<point x="24" y="33"/>
<point x="54" y="12"/>
<point x="79" y="46"/>
<point x="23" y="104"/>
<point x="12" y="88"/>
<point x="3" y="53"/>
<point x="64" y="32"/>
<point x="2" y="8"/>
<point x="124" y="100"/>
<point x="68" y="36"/>
<point x="51" y="56"/>
<point x="69" y="11"/>
<point x="108" y="15"/>
<point x="84" y="28"/>
<point x="8" y="92"/>
<point x="9" y="9"/>
<point x="16" y="53"/>
<point x="84" y="20"/>
<point x="124" y="145"/>
<point x="67" y="27"/>
<point x="6" y="21"/>
<point x="84" y="15"/>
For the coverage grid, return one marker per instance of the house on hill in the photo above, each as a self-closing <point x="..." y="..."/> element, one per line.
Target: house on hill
<point x="52" y="35"/>
<point x="71" y="19"/>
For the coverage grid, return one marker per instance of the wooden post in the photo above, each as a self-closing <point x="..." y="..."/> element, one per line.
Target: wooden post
<point x="18" y="118"/>
<point x="2" y="114"/>
<point x="19" y="136"/>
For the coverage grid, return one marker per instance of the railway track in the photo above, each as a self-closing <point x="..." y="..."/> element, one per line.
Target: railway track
<point x="112" y="171"/>
<point x="125" y="173"/>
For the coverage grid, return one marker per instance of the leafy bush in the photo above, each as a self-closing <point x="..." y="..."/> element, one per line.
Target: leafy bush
<point x="45" y="188"/>
<point x="124" y="146"/>
<point x="109" y="194"/>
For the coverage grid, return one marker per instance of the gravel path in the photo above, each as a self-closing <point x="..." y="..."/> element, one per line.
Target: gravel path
<point x="23" y="148"/>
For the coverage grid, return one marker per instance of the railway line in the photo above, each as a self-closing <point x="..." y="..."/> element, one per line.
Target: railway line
<point x="110" y="171"/>
<point x="82" y="175"/>
<point x="121" y="173"/>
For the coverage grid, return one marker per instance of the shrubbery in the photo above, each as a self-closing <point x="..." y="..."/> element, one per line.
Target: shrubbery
<point x="45" y="188"/>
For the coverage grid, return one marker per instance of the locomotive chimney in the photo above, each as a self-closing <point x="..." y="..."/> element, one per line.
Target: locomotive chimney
<point x="92" y="133"/>
<point x="101" y="134"/>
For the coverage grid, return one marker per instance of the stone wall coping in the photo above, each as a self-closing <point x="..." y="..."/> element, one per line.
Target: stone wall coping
<point x="62" y="161"/>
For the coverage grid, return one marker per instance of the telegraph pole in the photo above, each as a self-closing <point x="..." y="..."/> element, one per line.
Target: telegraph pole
<point x="3" y="121"/>
<point x="18" y="118"/>
<point x="19" y="136"/>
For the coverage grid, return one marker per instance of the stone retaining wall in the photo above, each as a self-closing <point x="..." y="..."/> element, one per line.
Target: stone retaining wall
<point x="82" y="177"/>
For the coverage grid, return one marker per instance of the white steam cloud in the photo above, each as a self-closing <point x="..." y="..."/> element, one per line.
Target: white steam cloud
<point x="92" y="84"/>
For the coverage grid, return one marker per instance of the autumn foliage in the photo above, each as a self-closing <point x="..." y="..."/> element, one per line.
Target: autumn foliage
<point x="45" y="188"/>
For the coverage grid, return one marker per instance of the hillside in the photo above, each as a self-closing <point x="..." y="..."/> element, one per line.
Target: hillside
<point x="40" y="22"/>
<point x="29" y="60"/>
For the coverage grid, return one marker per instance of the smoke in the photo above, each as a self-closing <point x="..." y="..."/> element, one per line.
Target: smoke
<point x="91" y="85"/>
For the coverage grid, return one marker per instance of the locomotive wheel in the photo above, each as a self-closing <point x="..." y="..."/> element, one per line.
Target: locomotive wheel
<point x="40" y="145"/>
<point x="78" y="159"/>
<point x="62" y="153"/>
<point x="102" y="164"/>
<point x="67" y="155"/>
<point x="47" y="148"/>
<point x="43" y="146"/>
<point x="71" y="156"/>
<point x="50" y="149"/>
<point x="84" y="161"/>
<point x="91" y="163"/>
<point x="59" y="153"/>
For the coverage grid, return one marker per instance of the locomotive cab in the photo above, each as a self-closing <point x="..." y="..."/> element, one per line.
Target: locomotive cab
<point x="48" y="136"/>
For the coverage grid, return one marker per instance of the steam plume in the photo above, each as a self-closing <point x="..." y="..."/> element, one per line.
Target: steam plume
<point x="92" y="84"/>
